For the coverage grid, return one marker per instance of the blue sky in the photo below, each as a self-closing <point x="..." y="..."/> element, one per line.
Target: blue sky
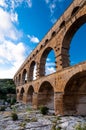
<point x="23" y="24"/>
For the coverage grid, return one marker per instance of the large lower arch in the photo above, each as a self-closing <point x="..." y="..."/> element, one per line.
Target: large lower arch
<point x="46" y="95"/>
<point x="74" y="99"/>
<point x="21" y="94"/>
<point x="68" y="38"/>
<point x="30" y="95"/>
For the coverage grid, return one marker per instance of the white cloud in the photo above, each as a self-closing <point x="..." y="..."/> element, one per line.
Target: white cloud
<point x="53" y="20"/>
<point x="3" y="4"/>
<point x="52" y="7"/>
<point x="47" y="1"/>
<point x="48" y="59"/>
<point x="50" y="70"/>
<point x="34" y="72"/>
<point x="50" y="64"/>
<point x="33" y="39"/>
<point x="29" y="2"/>
<point x="16" y="3"/>
<point x="14" y="17"/>
<point x="7" y="29"/>
<point x="13" y="54"/>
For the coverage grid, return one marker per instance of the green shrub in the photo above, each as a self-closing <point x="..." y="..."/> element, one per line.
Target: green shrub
<point x="44" y="110"/>
<point x="2" y="108"/>
<point x="13" y="101"/>
<point x="14" y="116"/>
<point x="80" y="127"/>
<point x="22" y="124"/>
<point x="54" y="128"/>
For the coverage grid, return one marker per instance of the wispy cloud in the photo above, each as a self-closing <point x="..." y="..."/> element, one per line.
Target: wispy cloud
<point x="15" y="3"/>
<point x="3" y="4"/>
<point x="47" y="1"/>
<point x="50" y="70"/>
<point x="53" y="20"/>
<point x="52" y="5"/>
<point x="33" y="39"/>
<point x="29" y="2"/>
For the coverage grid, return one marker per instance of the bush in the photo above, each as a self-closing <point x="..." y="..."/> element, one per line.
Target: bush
<point x="2" y="108"/>
<point x="44" y="110"/>
<point x="13" y="101"/>
<point x="80" y="127"/>
<point x="14" y="116"/>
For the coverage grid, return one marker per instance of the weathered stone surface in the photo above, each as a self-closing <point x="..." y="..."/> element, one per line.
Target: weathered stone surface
<point x="64" y="91"/>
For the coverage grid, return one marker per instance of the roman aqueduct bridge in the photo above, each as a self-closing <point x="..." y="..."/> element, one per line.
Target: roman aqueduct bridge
<point x="65" y="90"/>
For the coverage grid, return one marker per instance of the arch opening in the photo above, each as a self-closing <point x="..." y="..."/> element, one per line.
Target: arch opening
<point x="19" y="79"/>
<point x="46" y="95"/>
<point x="47" y="62"/>
<point x="75" y="95"/>
<point x="78" y="46"/>
<point x="24" y="76"/>
<point x="72" y="43"/>
<point x="75" y="10"/>
<point x="30" y="95"/>
<point x="21" y="94"/>
<point x="33" y="71"/>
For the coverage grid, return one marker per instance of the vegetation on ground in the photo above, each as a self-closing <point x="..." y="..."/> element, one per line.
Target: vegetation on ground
<point x="14" y="116"/>
<point x="80" y="126"/>
<point x="44" y="110"/>
<point x="7" y="88"/>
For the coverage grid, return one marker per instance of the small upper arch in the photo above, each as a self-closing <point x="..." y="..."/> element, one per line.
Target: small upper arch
<point x="75" y="10"/>
<point x="24" y="76"/>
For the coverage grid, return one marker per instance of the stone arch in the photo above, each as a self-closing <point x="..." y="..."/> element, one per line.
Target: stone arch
<point x="16" y="80"/>
<point x="74" y="99"/>
<point x="17" y="90"/>
<point x="46" y="95"/>
<point x="21" y="94"/>
<point x="62" y="24"/>
<point x="43" y="60"/>
<point x="30" y="92"/>
<point x="24" y="76"/>
<point x="53" y="33"/>
<point x="68" y="37"/>
<point x="75" y="10"/>
<point x="31" y="70"/>
<point x="19" y="79"/>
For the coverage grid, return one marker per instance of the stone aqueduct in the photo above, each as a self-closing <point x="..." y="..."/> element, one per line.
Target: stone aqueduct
<point x="65" y="90"/>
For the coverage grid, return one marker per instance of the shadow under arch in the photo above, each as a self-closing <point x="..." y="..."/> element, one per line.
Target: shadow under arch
<point x="46" y="95"/>
<point x="68" y="37"/>
<point x="74" y="99"/>
<point x="21" y="94"/>
<point x="30" y="95"/>
<point x="43" y="60"/>
<point x="19" y="79"/>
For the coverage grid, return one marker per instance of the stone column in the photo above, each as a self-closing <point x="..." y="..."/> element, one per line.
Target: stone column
<point x="25" y="98"/>
<point x="35" y="100"/>
<point x="58" y="103"/>
<point x="18" y="96"/>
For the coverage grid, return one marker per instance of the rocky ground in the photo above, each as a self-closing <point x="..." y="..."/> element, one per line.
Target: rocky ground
<point x="33" y="120"/>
